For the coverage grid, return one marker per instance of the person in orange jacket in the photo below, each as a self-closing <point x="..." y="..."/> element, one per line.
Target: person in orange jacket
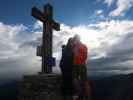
<point x="79" y="72"/>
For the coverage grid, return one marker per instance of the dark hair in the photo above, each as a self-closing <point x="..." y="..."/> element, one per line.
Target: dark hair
<point x="63" y="46"/>
<point x="70" y="40"/>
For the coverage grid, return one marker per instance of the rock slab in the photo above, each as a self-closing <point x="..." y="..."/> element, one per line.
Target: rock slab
<point x="40" y="87"/>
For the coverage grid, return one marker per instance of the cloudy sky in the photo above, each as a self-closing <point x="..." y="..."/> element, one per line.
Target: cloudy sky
<point x="105" y="26"/>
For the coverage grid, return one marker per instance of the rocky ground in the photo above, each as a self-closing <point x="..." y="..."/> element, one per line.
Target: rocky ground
<point x="112" y="88"/>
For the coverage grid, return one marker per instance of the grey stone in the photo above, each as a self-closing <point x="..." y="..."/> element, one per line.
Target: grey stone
<point x="40" y="87"/>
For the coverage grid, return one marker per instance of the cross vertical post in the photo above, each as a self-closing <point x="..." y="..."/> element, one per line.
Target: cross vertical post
<point x="45" y="51"/>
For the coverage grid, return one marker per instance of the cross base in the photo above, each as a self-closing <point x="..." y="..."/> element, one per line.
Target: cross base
<point x="40" y="87"/>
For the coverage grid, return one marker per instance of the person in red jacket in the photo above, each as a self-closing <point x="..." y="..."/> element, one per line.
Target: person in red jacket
<point x="79" y="72"/>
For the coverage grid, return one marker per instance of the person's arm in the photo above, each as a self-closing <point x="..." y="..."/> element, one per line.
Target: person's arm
<point x="86" y="52"/>
<point x="61" y="61"/>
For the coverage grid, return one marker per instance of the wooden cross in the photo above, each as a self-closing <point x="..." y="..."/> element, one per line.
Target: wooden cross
<point x="45" y="51"/>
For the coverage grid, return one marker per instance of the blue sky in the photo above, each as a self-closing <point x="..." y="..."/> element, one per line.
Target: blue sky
<point x="66" y="11"/>
<point x="71" y="12"/>
<point x="105" y="26"/>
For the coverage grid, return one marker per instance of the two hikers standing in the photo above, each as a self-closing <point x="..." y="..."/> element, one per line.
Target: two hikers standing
<point x="74" y="71"/>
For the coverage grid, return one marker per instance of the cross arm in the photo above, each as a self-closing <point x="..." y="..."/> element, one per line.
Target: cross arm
<point x="56" y="26"/>
<point x="38" y="14"/>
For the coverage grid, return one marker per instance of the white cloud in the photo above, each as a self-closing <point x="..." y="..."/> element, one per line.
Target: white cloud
<point x="14" y="58"/>
<point x="99" y="12"/>
<point x="122" y="7"/>
<point x="109" y="2"/>
<point x="103" y="39"/>
<point x="7" y="39"/>
<point x="37" y="25"/>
